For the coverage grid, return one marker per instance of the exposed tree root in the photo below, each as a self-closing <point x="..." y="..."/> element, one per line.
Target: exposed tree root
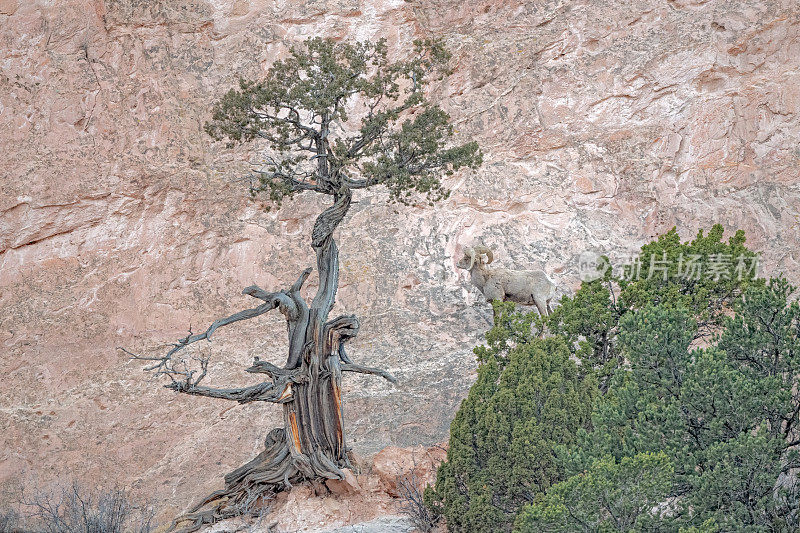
<point x="246" y="488"/>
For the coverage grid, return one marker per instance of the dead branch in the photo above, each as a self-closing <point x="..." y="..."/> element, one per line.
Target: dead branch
<point x="186" y="380"/>
<point x="262" y="392"/>
<point x="349" y="367"/>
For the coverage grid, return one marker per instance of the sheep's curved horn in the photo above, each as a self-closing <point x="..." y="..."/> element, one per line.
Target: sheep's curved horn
<point x="470" y="252"/>
<point x="481" y="249"/>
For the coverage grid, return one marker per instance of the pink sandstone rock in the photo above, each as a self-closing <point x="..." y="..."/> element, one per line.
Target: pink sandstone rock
<point x="417" y="464"/>
<point x="122" y="224"/>
<point x="348" y="485"/>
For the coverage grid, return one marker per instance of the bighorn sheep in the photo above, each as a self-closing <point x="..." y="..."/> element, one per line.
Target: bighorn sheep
<point x="521" y="286"/>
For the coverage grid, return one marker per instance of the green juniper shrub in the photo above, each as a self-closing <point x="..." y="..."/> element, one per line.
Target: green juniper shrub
<point x="663" y="274"/>
<point x="703" y="275"/>
<point x="610" y="496"/>
<point x="529" y="396"/>
<point x="693" y="422"/>
<point x="725" y="415"/>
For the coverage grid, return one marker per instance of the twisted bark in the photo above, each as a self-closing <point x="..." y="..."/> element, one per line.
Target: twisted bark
<point x="311" y="444"/>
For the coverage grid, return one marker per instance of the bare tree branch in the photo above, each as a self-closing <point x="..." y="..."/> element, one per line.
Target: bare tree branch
<point x="183" y="379"/>
<point x="349" y="367"/>
<point x="265" y="367"/>
<point x="264" y="392"/>
<point x="236" y="317"/>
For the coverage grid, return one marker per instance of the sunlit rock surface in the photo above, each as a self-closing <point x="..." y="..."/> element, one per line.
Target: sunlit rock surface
<point x="604" y="123"/>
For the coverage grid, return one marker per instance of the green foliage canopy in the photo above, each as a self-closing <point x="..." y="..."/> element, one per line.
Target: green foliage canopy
<point x="609" y="496"/>
<point x="529" y="397"/>
<point x="693" y="426"/>
<point x="660" y="275"/>
<point x="725" y="414"/>
<point x="338" y="114"/>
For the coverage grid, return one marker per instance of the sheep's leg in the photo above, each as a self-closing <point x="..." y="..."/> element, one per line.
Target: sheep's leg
<point x="542" y="308"/>
<point x="549" y="309"/>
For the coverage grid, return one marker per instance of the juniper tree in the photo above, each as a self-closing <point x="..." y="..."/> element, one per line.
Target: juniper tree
<point x="333" y="118"/>
<point x="711" y="430"/>
<point x="723" y="412"/>
<point x="529" y="397"/>
<point x="666" y="272"/>
<point x="609" y="496"/>
<point x="725" y="418"/>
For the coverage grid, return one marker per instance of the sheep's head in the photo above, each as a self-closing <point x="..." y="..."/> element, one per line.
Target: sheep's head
<point x="468" y="259"/>
<point x="483" y="250"/>
<point x="472" y="254"/>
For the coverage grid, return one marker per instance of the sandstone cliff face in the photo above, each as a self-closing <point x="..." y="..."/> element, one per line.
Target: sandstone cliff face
<point x="604" y="123"/>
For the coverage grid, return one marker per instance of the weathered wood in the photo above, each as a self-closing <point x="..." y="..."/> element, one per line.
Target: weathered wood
<point x="262" y="392"/>
<point x="394" y="146"/>
<point x="311" y="444"/>
<point x="327" y="252"/>
<point x="349" y="367"/>
<point x="265" y="367"/>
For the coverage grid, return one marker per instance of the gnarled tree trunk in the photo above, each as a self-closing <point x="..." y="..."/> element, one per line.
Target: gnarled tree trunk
<point x="311" y="444"/>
